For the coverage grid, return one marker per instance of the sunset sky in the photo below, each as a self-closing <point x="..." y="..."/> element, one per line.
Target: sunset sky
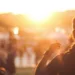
<point x="28" y="5"/>
<point x="36" y="9"/>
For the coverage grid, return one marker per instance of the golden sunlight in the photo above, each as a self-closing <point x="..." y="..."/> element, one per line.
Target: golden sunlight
<point x="37" y="17"/>
<point x="37" y="10"/>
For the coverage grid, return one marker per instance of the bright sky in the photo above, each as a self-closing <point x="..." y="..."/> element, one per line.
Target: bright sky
<point x="36" y="9"/>
<point x="28" y="5"/>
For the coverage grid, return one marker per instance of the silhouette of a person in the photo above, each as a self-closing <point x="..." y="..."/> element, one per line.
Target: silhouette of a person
<point x="63" y="64"/>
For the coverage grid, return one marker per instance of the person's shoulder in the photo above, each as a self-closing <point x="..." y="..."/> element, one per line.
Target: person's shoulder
<point x="59" y="58"/>
<point x="57" y="61"/>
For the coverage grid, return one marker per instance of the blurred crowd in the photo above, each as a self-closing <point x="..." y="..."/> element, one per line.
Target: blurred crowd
<point x="12" y="48"/>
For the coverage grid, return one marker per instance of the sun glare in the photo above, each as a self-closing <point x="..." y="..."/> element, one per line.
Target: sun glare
<point x="37" y="10"/>
<point x="39" y="15"/>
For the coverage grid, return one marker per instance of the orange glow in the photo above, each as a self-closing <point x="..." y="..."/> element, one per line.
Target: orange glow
<point x="36" y="9"/>
<point x="57" y="29"/>
<point x="37" y="17"/>
<point x="63" y="31"/>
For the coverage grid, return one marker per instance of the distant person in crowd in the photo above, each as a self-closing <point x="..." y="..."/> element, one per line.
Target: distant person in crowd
<point x="63" y="64"/>
<point x="3" y="58"/>
<point x="3" y="71"/>
<point x="48" y="56"/>
<point x="10" y="66"/>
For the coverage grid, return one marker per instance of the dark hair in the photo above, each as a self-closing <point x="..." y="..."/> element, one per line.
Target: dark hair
<point x="73" y="28"/>
<point x="73" y="33"/>
<point x="74" y="23"/>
